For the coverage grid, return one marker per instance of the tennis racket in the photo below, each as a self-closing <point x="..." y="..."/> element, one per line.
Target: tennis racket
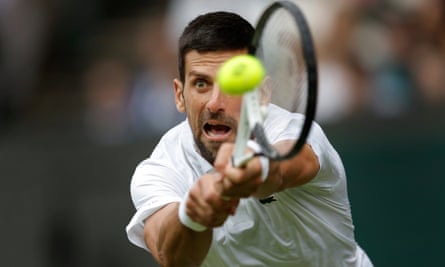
<point x="283" y="43"/>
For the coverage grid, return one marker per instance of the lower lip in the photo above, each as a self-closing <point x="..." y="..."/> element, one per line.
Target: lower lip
<point x="218" y="137"/>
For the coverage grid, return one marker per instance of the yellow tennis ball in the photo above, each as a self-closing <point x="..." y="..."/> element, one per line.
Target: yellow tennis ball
<point x="240" y="74"/>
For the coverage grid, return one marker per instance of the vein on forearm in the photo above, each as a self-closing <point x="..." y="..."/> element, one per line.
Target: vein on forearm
<point x="173" y="244"/>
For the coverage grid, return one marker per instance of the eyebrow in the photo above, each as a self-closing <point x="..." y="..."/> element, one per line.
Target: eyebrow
<point x="199" y="75"/>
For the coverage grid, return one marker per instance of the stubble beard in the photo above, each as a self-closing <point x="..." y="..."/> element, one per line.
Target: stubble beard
<point x="206" y="153"/>
<point x="209" y="150"/>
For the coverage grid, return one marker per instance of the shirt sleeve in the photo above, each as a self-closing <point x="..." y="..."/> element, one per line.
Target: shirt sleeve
<point x="153" y="186"/>
<point x="284" y="126"/>
<point x="331" y="167"/>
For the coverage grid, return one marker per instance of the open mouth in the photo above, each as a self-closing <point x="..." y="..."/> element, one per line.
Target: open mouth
<point x="217" y="131"/>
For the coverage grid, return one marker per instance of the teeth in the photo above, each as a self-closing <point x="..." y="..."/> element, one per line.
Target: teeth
<point x="217" y="129"/>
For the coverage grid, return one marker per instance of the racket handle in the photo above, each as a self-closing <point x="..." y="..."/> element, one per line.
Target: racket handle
<point x="242" y="161"/>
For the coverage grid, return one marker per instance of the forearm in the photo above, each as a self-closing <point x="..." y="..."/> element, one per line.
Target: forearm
<point x="173" y="244"/>
<point x="290" y="173"/>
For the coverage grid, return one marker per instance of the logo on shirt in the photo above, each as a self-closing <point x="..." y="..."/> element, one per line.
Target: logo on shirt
<point x="267" y="200"/>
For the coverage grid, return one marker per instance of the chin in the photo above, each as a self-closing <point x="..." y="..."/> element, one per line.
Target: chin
<point x="208" y="149"/>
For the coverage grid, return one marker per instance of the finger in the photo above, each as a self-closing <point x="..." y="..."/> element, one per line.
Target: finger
<point x="242" y="182"/>
<point x="238" y="190"/>
<point x="248" y="174"/>
<point x="224" y="156"/>
<point x="253" y="168"/>
<point x="205" y="205"/>
<point x="195" y="208"/>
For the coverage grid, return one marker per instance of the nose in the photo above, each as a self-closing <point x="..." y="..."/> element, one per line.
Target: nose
<point x="217" y="101"/>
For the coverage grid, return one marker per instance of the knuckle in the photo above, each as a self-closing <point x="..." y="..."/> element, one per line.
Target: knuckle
<point x="210" y="197"/>
<point x="237" y="179"/>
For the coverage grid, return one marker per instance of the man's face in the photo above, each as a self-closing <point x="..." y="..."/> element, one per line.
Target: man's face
<point x="213" y="116"/>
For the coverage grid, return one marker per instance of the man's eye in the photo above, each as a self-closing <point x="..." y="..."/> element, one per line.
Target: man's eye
<point x="201" y="84"/>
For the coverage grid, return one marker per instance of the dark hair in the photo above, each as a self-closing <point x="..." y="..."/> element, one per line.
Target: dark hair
<point x="215" y="31"/>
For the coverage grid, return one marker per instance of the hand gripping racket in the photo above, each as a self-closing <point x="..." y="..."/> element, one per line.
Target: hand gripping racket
<point x="283" y="43"/>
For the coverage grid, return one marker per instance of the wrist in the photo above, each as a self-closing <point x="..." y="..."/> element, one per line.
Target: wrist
<point x="186" y="220"/>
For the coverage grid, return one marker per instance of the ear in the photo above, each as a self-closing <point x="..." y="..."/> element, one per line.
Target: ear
<point x="265" y="91"/>
<point x="179" y="95"/>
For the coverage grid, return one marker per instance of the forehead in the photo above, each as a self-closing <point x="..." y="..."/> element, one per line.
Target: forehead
<point x="208" y="61"/>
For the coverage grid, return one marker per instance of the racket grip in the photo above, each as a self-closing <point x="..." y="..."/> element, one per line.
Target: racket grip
<point x="186" y="220"/>
<point x="264" y="160"/>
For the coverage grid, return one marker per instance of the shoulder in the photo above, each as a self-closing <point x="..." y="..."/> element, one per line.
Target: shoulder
<point x="275" y="112"/>
<point x="332" y="173"/>
<point x="165" y="168"/>
<point x="167" y="154"/>
<point x="288" y="125"/>
<point x="173" y="160"/>
<point x="178" y="133"/>
<point x="174" y="140"/>
<point x="281" y="124"/>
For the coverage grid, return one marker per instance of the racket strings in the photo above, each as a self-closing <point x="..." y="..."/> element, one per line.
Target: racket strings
<point x="280" y="49"/>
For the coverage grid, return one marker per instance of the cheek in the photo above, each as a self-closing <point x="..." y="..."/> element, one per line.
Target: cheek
<point x="194" y="104"/>
<point x="235" y="108"/>
<point x="193" y="109"/>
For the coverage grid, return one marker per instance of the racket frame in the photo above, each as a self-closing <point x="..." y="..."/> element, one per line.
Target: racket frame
<point x="252" y="116"/>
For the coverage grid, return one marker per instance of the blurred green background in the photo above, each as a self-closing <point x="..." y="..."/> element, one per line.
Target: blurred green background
<point x="85" y="93"/>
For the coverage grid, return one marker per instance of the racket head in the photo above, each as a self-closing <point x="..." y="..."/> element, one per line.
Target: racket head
<point x="283" y="43"/>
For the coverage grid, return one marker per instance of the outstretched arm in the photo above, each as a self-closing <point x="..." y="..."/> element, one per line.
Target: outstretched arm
<point x="290" y="173"/>
<point x="282" y="174"/>
<point x="213" y="198"/>
<point x="172" y="243"/>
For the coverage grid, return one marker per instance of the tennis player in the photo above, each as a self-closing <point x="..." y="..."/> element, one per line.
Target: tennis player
<point x="195" y="209"/>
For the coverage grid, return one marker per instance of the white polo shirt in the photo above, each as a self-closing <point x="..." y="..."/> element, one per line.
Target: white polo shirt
<point x="309" y="225"/>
